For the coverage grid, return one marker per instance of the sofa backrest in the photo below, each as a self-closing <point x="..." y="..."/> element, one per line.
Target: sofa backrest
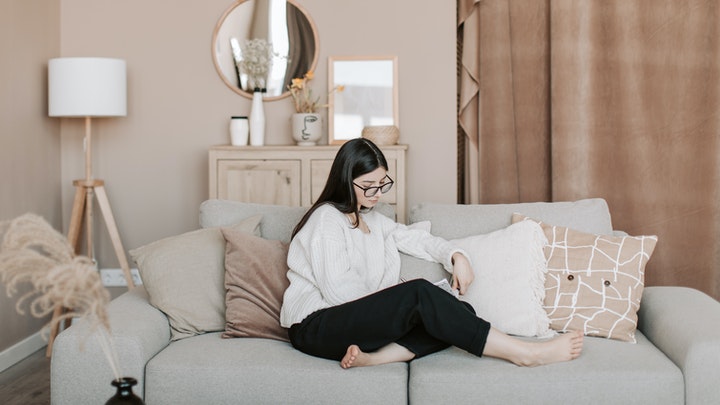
<point x="453" y="221"/>
<point x="450" y="221"/>
<point x="277" y="223"/>
<point x="278" y="220"/>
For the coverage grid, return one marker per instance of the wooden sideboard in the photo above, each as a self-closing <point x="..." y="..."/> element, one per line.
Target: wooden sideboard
<point x="290" y="175"/>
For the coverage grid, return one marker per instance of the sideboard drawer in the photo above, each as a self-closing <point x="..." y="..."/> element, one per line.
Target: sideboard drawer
<point x="260" y="181"/>
<point x="289" y="175"/>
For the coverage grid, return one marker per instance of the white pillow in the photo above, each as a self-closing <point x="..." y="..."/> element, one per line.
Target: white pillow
<point x="509" y="285"/>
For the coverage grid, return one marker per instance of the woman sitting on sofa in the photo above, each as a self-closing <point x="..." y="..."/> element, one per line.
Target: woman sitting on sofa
<point x="345" y="301"/>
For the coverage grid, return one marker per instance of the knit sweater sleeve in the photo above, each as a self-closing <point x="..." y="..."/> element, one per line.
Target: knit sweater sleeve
<point x="423" y="245"/>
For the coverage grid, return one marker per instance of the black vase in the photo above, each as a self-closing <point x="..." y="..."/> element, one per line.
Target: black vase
<point x="124" y="394"/>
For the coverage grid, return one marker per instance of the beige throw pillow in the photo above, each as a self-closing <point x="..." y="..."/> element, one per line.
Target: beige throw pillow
<point x="184" y="277"/>
<point x="594" y="282"/>
<point x="508" y="289"/>
<point x="255" y="279"/>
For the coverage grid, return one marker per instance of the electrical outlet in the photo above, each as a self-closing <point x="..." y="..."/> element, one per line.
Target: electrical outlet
<point x="116" y="277"/>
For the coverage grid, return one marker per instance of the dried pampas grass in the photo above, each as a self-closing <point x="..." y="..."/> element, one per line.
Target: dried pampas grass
<point x="31" y="251"/>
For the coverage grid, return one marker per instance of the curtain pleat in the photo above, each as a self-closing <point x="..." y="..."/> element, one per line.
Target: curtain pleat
<point x="469" y="96"/>
<point x="618" y="99"/>
<point x="505" y="80"/>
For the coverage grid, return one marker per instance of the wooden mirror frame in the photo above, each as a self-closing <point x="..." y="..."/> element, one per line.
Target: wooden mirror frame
<point x="335" y="98"/>
<point x="233" y="86"/>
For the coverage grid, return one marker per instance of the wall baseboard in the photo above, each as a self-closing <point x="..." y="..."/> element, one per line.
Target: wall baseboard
<point x="20" y="350"/>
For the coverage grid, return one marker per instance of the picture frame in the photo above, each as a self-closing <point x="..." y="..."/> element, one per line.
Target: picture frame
<point x="369" y="95"/>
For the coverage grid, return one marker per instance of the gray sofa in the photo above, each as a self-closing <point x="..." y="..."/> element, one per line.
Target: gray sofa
<point x="676" y="358"/>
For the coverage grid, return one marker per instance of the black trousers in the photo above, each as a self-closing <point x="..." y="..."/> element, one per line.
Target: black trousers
<point x="416" y="315"/>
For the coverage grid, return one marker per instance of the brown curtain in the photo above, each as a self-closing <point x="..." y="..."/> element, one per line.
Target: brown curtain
<point x="620" y="99"/>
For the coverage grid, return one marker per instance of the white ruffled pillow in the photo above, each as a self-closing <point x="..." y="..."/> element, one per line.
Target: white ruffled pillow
<point x="509" y="285"/>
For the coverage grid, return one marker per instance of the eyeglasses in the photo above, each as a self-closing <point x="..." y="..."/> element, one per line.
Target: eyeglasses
<point x="371" y="191"/>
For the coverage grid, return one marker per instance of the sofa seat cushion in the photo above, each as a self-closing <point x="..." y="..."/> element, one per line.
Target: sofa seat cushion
<point x="607" y="372"/>
<point x="207" y="369"/>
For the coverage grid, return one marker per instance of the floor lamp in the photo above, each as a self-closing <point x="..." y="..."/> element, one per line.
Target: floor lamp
<point x="86" y="88"/>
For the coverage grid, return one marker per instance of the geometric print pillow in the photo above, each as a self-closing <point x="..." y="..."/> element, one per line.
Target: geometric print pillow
<point x="594" y="283"/>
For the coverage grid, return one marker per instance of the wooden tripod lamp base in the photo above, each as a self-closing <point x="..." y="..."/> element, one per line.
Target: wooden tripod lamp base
<point x="83" y="203"/>
<point x="85" y="190"/>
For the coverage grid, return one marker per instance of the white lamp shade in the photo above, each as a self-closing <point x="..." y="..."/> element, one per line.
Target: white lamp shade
<point x="87" y="87"/>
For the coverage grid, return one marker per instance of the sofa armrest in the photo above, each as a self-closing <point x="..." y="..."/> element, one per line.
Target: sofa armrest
<point x="80" y="372"/>
<point x="685" y="324"/>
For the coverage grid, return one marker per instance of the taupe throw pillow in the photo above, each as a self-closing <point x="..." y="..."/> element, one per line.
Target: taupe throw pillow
<point x="255" y="280"/>
<point x="184" y="277"/>
<point x="594" y="283"/>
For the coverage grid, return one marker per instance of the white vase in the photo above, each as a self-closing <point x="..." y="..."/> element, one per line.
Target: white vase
<point x="306" y="128"/>
<point x="257" y="119"/>
<point x="239" y="131"/>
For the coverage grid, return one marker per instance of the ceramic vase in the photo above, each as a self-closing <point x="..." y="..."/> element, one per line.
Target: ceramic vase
<point x="257" y="119"/>
<point x="306" y="128"/>
<point x="124" y="394"/>
<point x="239" y="131"/>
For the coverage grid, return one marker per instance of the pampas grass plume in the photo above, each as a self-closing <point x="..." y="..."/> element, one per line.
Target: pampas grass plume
<point x="32" y="251"/>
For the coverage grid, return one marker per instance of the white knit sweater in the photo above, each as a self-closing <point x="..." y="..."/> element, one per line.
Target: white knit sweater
<point x="332" y="263"/>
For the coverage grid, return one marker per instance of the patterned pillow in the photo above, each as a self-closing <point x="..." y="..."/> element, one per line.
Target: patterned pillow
<point x="594" y="283"/>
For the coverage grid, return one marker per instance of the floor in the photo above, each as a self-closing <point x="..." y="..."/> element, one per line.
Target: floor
<point x="27" y="382"/>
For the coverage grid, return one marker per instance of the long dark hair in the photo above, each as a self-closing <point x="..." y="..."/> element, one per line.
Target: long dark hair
<point x="355" y="158"/>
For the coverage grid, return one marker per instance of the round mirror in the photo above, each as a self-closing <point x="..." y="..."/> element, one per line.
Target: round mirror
<point x="264" y="44"/>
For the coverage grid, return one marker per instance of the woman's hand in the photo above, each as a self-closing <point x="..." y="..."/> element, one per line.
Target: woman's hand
<point x="463" y="274"/>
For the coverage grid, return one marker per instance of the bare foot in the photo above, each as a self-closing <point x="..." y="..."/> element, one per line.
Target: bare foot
<point x="354" y="357"/>
<point x="565" y="347"/>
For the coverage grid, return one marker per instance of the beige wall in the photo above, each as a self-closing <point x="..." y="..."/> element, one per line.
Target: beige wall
<point x="29" y="140"/>
<point x="154" y="161"/>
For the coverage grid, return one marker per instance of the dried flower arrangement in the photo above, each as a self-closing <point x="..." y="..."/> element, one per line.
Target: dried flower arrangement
<point x="31" y="251"/>
<point x="303" y="97"/>
<point x="257" y="55"/>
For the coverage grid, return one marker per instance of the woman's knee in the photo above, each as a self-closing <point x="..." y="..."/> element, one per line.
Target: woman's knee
<point x="419" y="283"/>
<point x="425" y="290"/>
<point x="422" y="286"/>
